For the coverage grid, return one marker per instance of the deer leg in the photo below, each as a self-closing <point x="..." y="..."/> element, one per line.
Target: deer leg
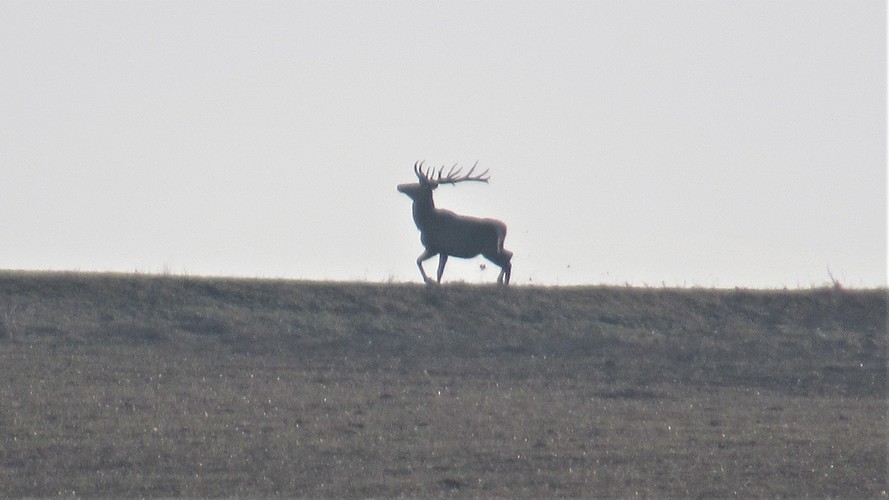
<point x="505" y="271"/>
<point x="426" y="255"/>
<point x="442" y="260"/>
<point x="507" y="268"/>
<point x="502" y="259"/>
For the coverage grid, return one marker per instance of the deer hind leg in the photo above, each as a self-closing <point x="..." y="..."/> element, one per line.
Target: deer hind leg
<point x="502" y="258"/>
<point x="505" y="272"/>
<point x="506" y="269"/>
<point x="426" y="255"/>
<point x="442" y="260"/>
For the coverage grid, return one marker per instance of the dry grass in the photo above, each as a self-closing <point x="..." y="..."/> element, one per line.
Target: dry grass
<point x="167" y="386"/>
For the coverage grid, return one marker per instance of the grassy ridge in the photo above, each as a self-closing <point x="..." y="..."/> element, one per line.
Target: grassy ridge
<point x="169" y="386"/>
<point x="822" y="339"/>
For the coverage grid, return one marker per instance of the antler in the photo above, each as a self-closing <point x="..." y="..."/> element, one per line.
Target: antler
<point x="424" y="177"/>
<point x="453" y="176"/>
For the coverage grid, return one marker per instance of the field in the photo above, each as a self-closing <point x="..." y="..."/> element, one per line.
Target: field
<point x="158" y="386"/>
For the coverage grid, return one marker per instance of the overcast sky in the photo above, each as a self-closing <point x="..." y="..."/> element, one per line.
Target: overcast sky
<point x="686" y="143"/>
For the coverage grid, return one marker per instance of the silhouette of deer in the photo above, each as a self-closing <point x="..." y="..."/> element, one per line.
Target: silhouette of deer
<point x="445" y="233"/>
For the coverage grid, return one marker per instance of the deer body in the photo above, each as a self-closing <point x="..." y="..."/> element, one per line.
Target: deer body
<point x="444" y="233"/>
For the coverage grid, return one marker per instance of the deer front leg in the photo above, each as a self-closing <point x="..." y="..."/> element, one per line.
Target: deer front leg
<point x="442" y="260"/>
<point x="426" y="255"/>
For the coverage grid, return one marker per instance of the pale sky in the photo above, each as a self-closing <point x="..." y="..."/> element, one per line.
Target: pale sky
<point x="680" y="143"/>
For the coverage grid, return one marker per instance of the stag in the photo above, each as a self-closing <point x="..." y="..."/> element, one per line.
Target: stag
<point x="445" y="233"/>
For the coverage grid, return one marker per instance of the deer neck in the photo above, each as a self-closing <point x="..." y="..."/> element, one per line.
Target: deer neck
<point x="424" y="211"/>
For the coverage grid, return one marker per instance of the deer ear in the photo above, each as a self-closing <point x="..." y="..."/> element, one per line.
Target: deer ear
<point x="433" y="186"/>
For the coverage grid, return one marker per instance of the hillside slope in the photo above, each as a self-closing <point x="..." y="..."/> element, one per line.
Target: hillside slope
<point x="797" y="341"/>
<point x="145" y="386"/>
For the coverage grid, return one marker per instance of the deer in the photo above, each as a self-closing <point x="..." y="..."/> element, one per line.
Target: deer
<point x="447" y="234"/>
